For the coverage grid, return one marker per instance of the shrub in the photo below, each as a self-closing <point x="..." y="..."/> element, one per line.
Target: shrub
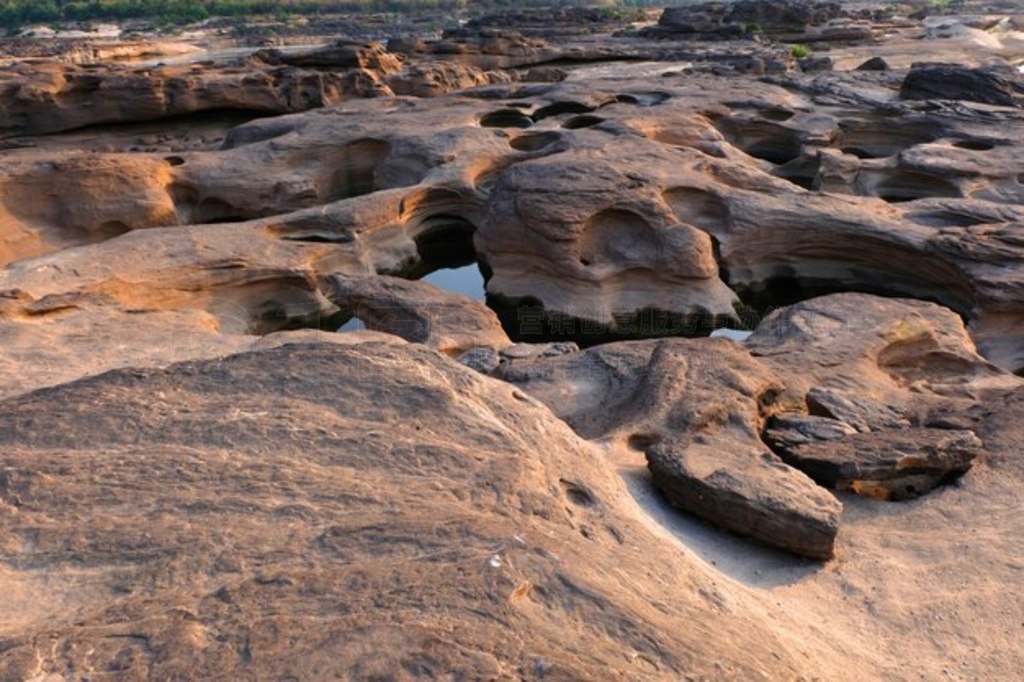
<point x="799" y="51"/>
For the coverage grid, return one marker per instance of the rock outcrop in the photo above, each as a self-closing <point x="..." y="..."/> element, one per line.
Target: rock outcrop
<point x="843" y="388"/>
<point x="1002" y="87"/>
<point x="696" y="409"/>
<point x="786" y="19"/>
<point x="256" y="513"/>
<point x="202" y="478"/>
<point x="559" y="21"/>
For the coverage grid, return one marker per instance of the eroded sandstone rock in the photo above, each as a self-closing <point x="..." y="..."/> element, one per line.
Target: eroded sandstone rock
<point x="256" y="514"/>
<point x="897" y="464"/>
<point x="695" y="408"/>
<point x="418" y="312"/>
<point x="1001" y="87"/>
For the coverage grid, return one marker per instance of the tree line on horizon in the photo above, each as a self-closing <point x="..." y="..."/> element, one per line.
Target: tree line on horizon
<point x="17" y="13"/>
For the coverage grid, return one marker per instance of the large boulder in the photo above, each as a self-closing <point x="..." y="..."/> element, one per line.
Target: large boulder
<point x="1002" y="87"/>
<point x="718" y="20"/>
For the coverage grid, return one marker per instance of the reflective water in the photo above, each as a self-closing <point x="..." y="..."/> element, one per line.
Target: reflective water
<point x="466" y="280"/>
<point x="739" y="335"/>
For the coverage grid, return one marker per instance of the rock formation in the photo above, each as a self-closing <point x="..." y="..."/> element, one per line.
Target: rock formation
<point x="207" y="473"/>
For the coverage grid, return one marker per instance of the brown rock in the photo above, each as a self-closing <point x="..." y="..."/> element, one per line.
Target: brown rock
<point x="896" y="465"/>
<point x="257" y="514"/>
<point x="418" y="312"/>
<point x="955" y="82"/>
<point x="695" y="408"/>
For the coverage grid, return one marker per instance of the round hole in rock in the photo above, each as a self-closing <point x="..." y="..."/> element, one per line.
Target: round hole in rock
<point x="506" y="118"/>
<point x="578" y="122"/>
<point x="559" y="108"/>
<point x="534" y="142"/>
<point x="447" y="259"/>
<point x="174" y="160"/>
<point x="776" y="114"/>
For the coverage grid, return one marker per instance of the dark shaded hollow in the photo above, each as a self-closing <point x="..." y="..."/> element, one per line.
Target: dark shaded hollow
<point x="789" y="287"/>
<point x="585" y="121"/>
<point x="560" y="108"/>
<point x="901" y="186"/>
<point x="525" y="320"/>
<point x="534" y="142"/>
<point x="643" y="99"/>
<point x="506" y="118"/>
<point x="975" y="145"/>
<point x="110" y="229"/>
<point x="212" y="210"/>
<point x="355" y="170"/>
<point x="777" y="115"/>
<point x="219" y="119"/>
<point x="882" y="138"/>
<point x="802" y="172"/>
<point x="761" y="139"/>
<point x="861" y="153"/>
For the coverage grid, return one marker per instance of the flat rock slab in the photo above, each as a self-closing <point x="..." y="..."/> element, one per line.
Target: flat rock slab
<point x="893" y="465"/>
<point x="752" y="494"/>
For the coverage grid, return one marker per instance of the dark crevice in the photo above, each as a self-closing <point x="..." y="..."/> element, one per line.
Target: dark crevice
<point x="788" y="288"/>
<point x="860" y="153"/>
<point x="760" y="138"/>
<point x="975" y="145"/>
<point x="777" y="115"/>
<point x="447" y="242"/>
<point x="802" y="172"/>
